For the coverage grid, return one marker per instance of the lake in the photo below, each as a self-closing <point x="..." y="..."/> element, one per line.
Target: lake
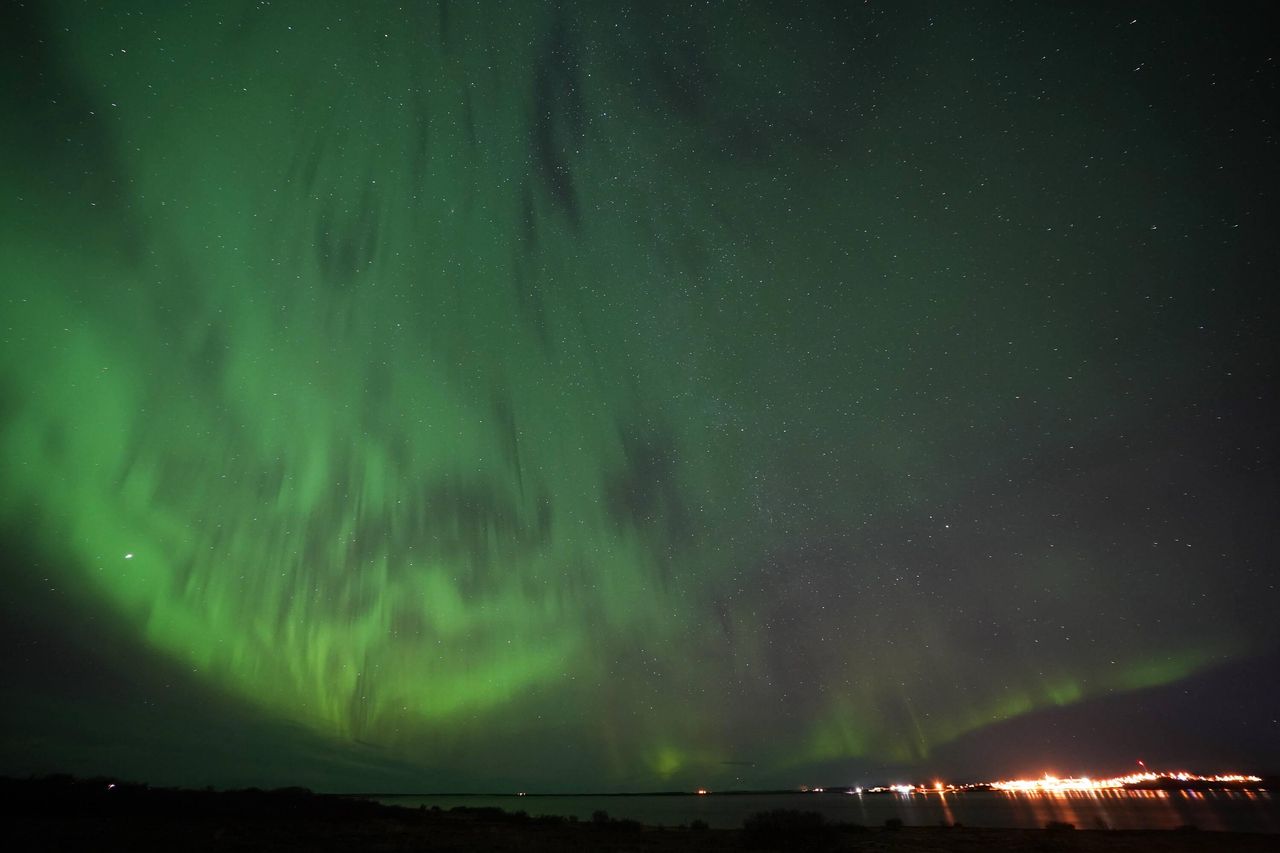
<point x="1237" y="811"/>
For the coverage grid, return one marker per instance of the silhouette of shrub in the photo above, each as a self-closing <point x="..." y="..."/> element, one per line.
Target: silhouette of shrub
<point x="1059" y="826"/>
<point x="894" y="823"/>
<point x="480" y="812"/>
<point x="551" y="820"/>
<point x="600" y="820"/>
<point x="698" y="826"/>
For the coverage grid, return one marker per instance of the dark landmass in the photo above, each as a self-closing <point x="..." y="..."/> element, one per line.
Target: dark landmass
<point x="65" y="814"/>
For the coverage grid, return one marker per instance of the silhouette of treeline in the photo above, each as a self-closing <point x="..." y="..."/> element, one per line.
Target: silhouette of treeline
<point x="66" y="795"/>
<point x="63" y="795"/>
<point x="65" y="813"/>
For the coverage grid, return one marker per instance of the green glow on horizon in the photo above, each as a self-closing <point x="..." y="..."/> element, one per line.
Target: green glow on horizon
<point x="389" y="469"/>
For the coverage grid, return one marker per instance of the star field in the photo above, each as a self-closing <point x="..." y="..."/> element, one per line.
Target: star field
<point x="635" y="395"/>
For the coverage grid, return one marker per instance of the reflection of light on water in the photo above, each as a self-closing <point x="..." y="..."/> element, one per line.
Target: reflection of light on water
<point x="1139" y="809"/>
<point x="946" y="807"/>
<point x="1046" y="806"/>
<point x="1102" y="819"/>
<point x="1147" y="800"/>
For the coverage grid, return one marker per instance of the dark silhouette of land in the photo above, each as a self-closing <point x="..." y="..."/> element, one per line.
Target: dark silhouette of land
<point x="66" y="814"/>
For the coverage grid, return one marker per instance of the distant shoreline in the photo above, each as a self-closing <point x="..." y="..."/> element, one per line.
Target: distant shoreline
<point x="1268" y="784"/>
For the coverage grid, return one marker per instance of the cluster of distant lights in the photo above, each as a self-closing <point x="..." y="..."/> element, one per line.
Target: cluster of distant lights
<point x="1050" y="784"/>
<point x="1054" y="785"/>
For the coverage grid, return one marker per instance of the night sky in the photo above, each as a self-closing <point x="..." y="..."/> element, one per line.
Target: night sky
<point x="636" y="395"/>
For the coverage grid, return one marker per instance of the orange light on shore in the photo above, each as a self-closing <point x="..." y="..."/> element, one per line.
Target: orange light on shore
<point x="702" y="792"/>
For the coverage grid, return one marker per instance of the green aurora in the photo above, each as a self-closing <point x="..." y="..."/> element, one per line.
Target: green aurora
<point x="614" y="395"/>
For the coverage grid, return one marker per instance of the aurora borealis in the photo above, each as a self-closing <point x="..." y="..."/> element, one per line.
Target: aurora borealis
<point x="628" y="395"/>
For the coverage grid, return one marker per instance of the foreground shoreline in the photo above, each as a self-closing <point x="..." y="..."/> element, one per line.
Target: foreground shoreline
<point x="60" y="813"/>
